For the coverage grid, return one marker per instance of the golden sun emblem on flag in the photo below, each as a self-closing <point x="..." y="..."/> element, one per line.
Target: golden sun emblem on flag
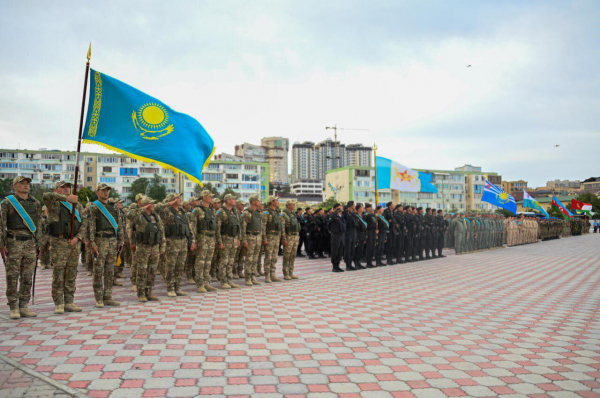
<point x="404" y="176"/>
<point x="502" y="197"/>
<point x="152" y="120"/>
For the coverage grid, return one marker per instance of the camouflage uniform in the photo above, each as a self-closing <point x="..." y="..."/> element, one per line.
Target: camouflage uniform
<point x="272" y="233"/>
<point x="150" y="242"/>
<point x="292" y="236"/>
<point x="21" y="246"/>
<point x="44" y="241"/>
<point x="228" y="234"/>
<point x="204" y="229"/>
<point x="251" y="236"/>
<point x="190" y="259"/>
<point x="103" y="236"/>
<point x="176" y="229"/>
<point x="88" y="255"/>
<point x="130" y="228"/>
<point x="123" y="222"/>
<point x="66" y="257"/>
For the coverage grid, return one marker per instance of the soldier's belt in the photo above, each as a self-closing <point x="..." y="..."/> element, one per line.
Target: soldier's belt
<point x="19" y="237"/>
<point x="273" y="232"/>
<point x="292" y="233"/>
<point x="252" y="232"/>
<point x="207" y="233"/>
<point x="105" y="235"/>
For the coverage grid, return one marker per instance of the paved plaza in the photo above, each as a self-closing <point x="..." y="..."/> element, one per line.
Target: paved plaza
<point x="514" y="322"/>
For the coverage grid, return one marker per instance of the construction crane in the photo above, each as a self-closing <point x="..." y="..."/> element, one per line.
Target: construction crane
<point x="335" y="128"/>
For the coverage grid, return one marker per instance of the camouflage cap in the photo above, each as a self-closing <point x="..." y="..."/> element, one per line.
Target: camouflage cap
<point x="206" y="192"/>
<point x="229" y="196"/>
<point x="271" y="199"/>
<point x="172" y="196"/>
<point x="139" y="196"/>
<point x="61" y="183"/>
<point x="194" y="199"/>
<point x="294" y="201"/>
<point x="19" y="179"/>
<point x="102" y="186"/>
<point x="147" y="201"/>
<point x="115" y="200"/>
<point x="217" y="200"/>
<point x="253" y="198"/>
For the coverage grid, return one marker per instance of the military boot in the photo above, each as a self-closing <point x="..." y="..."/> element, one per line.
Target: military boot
<point x="287" y="278"/>
<point x="111" y="303"/>
<point x="191" y="281"/>
<point x="72" y="308"/>
<point x="151" y="297"/>
<point x="233" y="285"/>
<point x="294" y="276"/>
<point x="225" y="286"/>
<point x="254" y="281"/>
<point x="134" y="288"/>
<point x="142" y="298"/>
<point x="117" y="283"/>
<point x="180" y="293"/>
<point x="274" y="278"/>
<point x="210" y="288"/>
<point x="234" y="273"/>
<point x="249" y="281"/>
<point x="60" y="309"/>
<point x="241" y="272"/>
<point x="27" y="313"/>
<point x="200" y="289"/>
<point x="171" y="294"/>
<point x="99" y="304"/>
<point x="268" y="278"/>
<point x="15" y="314"/>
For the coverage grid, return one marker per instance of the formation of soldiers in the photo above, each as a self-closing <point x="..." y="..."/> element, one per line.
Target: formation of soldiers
<point x="471" y="233"/>
<point x="205" y="240"/>
<point x="360" y="234"/>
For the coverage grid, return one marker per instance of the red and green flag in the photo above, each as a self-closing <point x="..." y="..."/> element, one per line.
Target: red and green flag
<point x="566" y="214"/>
<point x="581" y="206"/>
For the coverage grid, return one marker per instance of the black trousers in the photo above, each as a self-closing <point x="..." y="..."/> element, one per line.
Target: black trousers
<point x="361" y="238"/>
<point x="381" y="245"/>
<point x="423" y="244"/>
<point x="440" y="243"/>
<point x="430" y="244"/>
<point x="319" y="243"/>
<point x="399" y="248"/>
<point x="417" y="253"/>
<point x="301" y="241"/>
<point x="337" y="248"/>
<point x="349" y="246"/>
<point x="370" y="246"/>
<point x="311" y="243"/>
<point x="389" y="246"/>
<point x="408" y="246"/>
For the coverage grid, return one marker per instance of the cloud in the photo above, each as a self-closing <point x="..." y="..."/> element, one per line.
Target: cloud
<point x="247" y="70"/>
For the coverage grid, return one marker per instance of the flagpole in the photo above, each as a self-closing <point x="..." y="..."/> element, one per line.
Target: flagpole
<point x="376" y="187"/>
<point x="87" y="71"/>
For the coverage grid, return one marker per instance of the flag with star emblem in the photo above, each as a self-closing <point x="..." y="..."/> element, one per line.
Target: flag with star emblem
<point x="392" y="175"/>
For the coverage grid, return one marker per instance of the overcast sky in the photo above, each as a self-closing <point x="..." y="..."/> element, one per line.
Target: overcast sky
<point x="248" y="69"/>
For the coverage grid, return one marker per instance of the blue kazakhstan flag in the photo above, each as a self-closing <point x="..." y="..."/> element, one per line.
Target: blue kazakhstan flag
<point x="392" y="175"/>
<point x="496" y="196"/>
<point x="126" y="120"/>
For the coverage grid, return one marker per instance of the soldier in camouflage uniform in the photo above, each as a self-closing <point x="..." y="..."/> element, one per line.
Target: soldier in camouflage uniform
<point x="260" y="269"/>
<point x="88" y="256"/>
<point x="190" y="259"/>
<point x="251" y="240"/>
<point x="292" y="236"/>
<point x="150" y="243"/>
<point x="44" y="241"/>
<point x="272" y="233"/>
<point x="214" y="264"/>
<point x="177" y="230"/>
<point x="18" y="246"/>
<point x="118" y="203"/>
<point x="228" y="239"/>
<point x="64" y="250"/>
<point x="204" y="227"/>
<point x="105" y="240"/>
<point x="240" y="252"/>
<point x="132" y="213"/>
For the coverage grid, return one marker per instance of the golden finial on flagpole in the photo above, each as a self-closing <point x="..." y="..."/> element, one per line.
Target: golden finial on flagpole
<point x="89" y="54"/>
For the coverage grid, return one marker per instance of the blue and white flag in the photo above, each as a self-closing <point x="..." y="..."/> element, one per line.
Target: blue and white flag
<point x="496" y="196"/>
<point x="392" y="175"/>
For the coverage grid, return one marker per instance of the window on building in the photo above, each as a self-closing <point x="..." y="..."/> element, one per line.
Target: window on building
<point x="250" y="167"/>
<point x="361" y="173"/>
<point x="212" y="177"/>
<point x="214" y="166"/>
<point x="128" y="171"/>
<point x="29" y="156"/>
<point x="246" y="177"/>
<point x="232" y="166"/>
<point x="107" y="169"/>
<point x="51" y="156"/>
<point x="9" y="165"/>
<point x="108" y="159"/>
<point x="90" y="169"/>
<point x="108" y="179"/>
<point x="232" y="176"/>
<point x="89" y="179"/>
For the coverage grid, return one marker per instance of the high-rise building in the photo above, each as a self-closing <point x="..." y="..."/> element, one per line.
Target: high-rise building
<point x="313" y="161"/>
<point x="46" y="167"/>
<point x="556" y="184"/>
<point x="253" y="153"/>
<point x="277" y="149"/>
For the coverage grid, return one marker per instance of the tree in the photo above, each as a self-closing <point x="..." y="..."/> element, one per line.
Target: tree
<point x="156" y="189"/>
<point x="227" y="192"/>
<point x="328" y="204"/>
<point x="198" y="189"/>
<point x="139" y="186"/>
<point x="504" y="212"/>
<point x="86" y="195"/>
<point x="6" y="187"/>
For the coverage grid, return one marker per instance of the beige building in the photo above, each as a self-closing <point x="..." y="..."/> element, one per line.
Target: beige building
<point x="277" y="154"/>
<point x="514" y="186"/>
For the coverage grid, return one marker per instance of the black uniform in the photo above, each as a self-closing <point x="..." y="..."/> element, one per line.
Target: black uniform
<point x="302" y="234"/>
<point x="320" y="235"/>
<point x="383" y="226"/>
<point x="361" y="238"/>
<point x="390" y="243"/>
<point x="311" y="235"/>
<point x="441" y="231"/>
<point x="349" y="239"/>
<point x="417" y="234"/>
<point x="399" y="233"/>
<point x="371" y="220"/>
<point x="409" y="224"/>
<point x="430" y="232"/>
<point x="337" y="227"/>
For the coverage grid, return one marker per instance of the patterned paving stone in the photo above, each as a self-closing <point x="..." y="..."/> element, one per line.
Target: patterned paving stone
<point x="520" y="321"/>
